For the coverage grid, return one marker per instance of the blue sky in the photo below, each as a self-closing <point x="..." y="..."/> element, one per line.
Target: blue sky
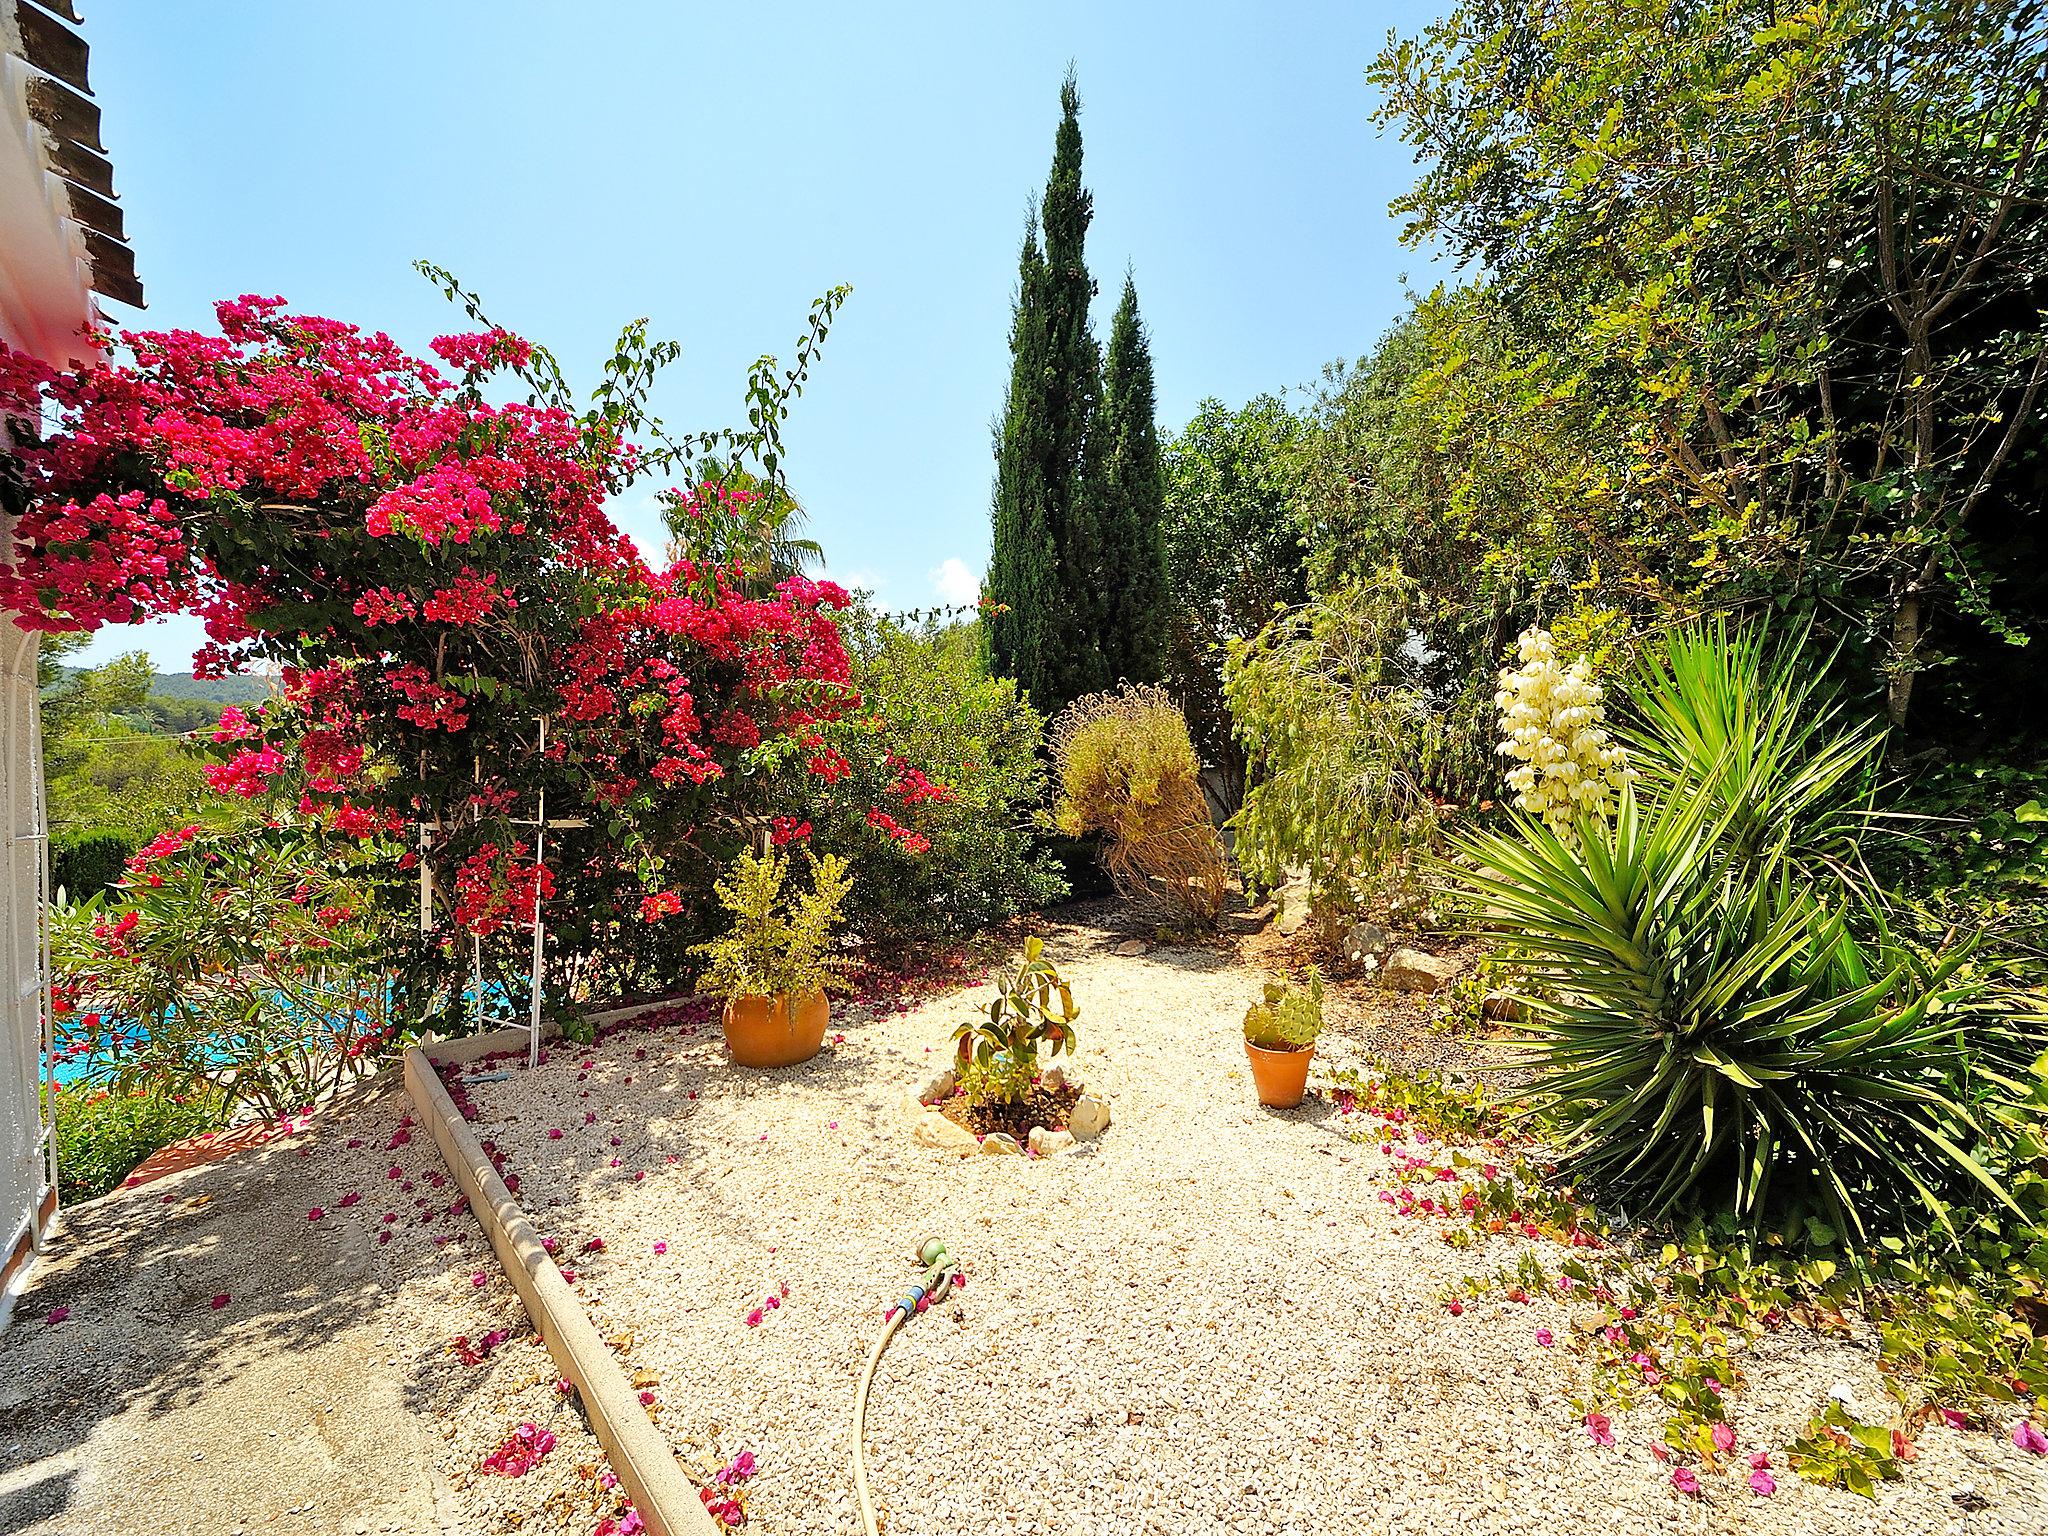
<point x="714" y="168"/>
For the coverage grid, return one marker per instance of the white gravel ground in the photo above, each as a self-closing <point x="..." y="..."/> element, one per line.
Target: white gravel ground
<point x="1206" y="1322"/>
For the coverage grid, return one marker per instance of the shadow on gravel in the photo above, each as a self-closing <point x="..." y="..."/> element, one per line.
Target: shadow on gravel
<point x="133" y="1276"/>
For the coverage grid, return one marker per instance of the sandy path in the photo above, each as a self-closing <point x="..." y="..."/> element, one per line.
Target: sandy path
<point x="321" y="1397"/>
<point x="1209" y="1322"/>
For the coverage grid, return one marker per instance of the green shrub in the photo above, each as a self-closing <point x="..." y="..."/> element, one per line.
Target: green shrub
<point x="937" y="712"/>
<point x="1128" y="771"/>
<point x="776" y="947"/>
<point x="1033" y="1007"/>
<point x="82" y="863"/>
<point x="1340" y="745"/>
<point x="102" y="1136"/>
<point x="1290" y="1017"/>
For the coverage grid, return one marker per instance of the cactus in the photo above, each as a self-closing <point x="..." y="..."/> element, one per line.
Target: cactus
<point x="1290" y="1018"/>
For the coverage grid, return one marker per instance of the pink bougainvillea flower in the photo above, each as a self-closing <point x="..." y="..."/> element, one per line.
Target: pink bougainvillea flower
<point x="1598" y="1426"/>
<point x="1761" y="1482"/>
<point x="2029" y="1438"/>
<point x="646" y="1399"/>
<point x="521" y="1451"/>
<point x="349" y="1199"/>
<point x="479" y="1279"/>
<point x="661" y="1248"/>
<point x="1685" y="1480"/>
<point x="1457" y="1309"/>
<point x="754" y="1318"/>
<point x="315" y="1214"/>
<point x="1544" y="1337"/>
<point x="56" y="1315"/>
<point x="555" y="1134"/>
<point x="1956" y="1418"/>
<point x="1724" y="1437"/>
<point x="220" y="1299"/>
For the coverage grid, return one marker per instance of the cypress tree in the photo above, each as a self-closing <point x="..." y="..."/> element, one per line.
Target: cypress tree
<point x="1045" y="546"/>
<point x="1129" y="496"/>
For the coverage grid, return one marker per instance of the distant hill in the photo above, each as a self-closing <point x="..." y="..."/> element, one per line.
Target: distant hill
<point x="210" y="690"/>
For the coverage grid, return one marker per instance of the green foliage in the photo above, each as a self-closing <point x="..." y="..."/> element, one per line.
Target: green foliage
<point x="1973" y="855"/>
<point x="1784" y="261"/>
<point x="254" y="964"/>
<point x="1716" y="1028"/>
<point x="1751" y="730"/>
<point x="776" y="947"/>
<point x="937" y="711"/>
<point x="1127" y="770"/>
<point x="1033" y="1008"/>
<point x="102" y="1136"/>
<point x="84" y="863"/>
<point x="1839" y="1449"/>
<point x="1233" y="554"/>
<point x="1290" y="1017"/>
<point x="1339" y="744"/>
<point x="1426" y="1098"/>
<point x="1129" y="617"/>
<point x="1046" y="545"/>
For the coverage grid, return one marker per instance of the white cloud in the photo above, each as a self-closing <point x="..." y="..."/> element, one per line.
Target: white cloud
<point x="953" y="582"/>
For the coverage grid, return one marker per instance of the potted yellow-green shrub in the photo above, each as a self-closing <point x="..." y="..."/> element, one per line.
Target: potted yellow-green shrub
<point x="1280" y="1039"/>
<point x="775" y="964"/>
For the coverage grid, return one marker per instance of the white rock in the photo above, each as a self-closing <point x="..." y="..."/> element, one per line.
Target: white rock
<point x="1001" y="1143"/>
<point x="1045" y="1142"/>
<point x="1089" y="1117"/>
<point x="1132" y="947"/>
<point x="938" y="1086"/>
<point x="1410" y="970"/>
<point x="1293" y="900"/>
<point x="935" y="1130"/>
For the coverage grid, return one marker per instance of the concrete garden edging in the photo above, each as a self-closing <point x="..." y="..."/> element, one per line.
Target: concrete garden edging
<point x="666" y="1499"/>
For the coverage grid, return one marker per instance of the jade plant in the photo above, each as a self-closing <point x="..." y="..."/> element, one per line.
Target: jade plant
<point x="998" y="1048"/>
<point x="1290" y="1018"/>
<point x="776" y="946"/>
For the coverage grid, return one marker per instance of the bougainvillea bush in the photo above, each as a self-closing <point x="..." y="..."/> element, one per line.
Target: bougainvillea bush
<point x="432" y="569"/>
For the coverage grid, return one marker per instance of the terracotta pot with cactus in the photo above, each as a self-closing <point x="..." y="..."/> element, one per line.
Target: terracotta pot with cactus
<point x="773" y="967"/>
<point x="1280" y="1039"/>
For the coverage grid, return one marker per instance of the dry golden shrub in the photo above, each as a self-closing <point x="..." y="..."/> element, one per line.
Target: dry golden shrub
<point x="1127" y="769"/>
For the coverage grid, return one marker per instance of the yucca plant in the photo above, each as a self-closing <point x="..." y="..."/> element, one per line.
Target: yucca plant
<point x="1721" y="1015"/>
<point x="1752" y="727"/>
<point x="1712" y="1033"/>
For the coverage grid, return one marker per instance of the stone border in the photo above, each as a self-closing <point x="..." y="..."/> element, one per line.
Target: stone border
<point x="666" y="1500"/>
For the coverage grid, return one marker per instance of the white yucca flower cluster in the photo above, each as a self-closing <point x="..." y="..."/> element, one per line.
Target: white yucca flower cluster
<point x="1551" y="720"/>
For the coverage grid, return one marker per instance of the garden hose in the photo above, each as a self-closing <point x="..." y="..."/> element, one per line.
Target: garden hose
<point x="941" y="1276"/>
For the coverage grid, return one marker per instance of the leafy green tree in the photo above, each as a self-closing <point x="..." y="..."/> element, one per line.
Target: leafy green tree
<point x="1234" y="553"/>
<point x="1045" y="546"/>
<point x="1129" y="496"/>
<point x="1791" y="258"/>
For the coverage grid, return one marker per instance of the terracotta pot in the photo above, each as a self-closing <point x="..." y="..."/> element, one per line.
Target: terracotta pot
<point x="1280" y="1076"/>
<point x="777" y="1031"/>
